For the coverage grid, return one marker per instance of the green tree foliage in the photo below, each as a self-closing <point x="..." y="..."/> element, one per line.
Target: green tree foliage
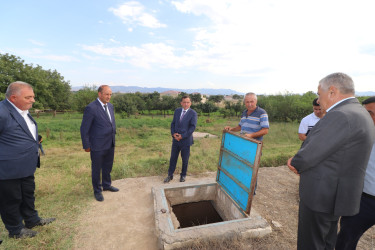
<point x="83" y="97"/>
<point x="216" y="98"/>
<point x="207" y="107"/>
<point x="287" y="107"/>
<point x="51" y="90"/>
<point x="196" y="98"/>
<point x="237" y="97"/>
<point x="168" y="103"/>
<point x="151" y="101"/>
<point x="128" y="103"/>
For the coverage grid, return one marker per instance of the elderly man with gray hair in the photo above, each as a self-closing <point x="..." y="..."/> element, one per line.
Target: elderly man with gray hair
<point x="254" y="120"/>
<point x="332" y="163"/>
<point x="18" y="162"/>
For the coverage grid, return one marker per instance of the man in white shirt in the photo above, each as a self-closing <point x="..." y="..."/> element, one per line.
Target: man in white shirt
<point x="308" y="122"/>
<point x="18" y="162"/>
<point x="352" y="227"/>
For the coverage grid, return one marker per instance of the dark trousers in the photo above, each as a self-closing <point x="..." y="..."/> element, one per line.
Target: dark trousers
<point x="353" y="227"/>
<point x="316" y="231"/>
<point x="101" y="163"/>
<point x="17" y="203"/>
<point x="185" y="153"/>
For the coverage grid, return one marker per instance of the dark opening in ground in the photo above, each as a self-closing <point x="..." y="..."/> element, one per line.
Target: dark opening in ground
<point x="196" y="213"/>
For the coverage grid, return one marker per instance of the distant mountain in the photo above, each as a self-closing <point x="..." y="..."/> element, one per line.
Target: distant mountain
<point x="367" y="93"/>
<point x="133" y="89"/>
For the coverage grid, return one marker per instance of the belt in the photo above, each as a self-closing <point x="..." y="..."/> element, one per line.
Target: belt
<point x="368" y="195"/>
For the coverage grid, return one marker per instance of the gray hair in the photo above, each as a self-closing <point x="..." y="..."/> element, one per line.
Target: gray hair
<point x="341" y="81"/>
<point x="250" y="94"/>
<point x="15" y="88"/>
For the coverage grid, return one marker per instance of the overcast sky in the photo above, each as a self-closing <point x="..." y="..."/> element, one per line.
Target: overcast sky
<point x="265" y="46"/>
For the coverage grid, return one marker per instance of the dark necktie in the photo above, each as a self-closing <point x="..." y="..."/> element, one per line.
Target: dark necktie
<point x="106" y="111"/>
<point x="183" y="113"/>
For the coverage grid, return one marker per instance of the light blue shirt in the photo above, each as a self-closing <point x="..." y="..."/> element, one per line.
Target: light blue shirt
<point x="369" y="185"/>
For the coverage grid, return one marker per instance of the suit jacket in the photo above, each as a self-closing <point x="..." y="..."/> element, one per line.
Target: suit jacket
<point x="97" y="131"/>
<point x="332" y="161"/>
<point x="185" y="127"/>
<point x="18" y="148"/>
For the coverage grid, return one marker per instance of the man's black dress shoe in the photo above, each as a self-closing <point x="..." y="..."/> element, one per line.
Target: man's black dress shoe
<point x="99" y="196"/>
<point x="168" y="179"/>
<point x="111" y="188"/>
<point x="25" y="233"/>
<point x="182" y="179"/>
<point x="41" y="222"/>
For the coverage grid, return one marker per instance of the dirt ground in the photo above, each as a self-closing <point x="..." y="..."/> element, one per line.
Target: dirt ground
<point x="125" y="220"/>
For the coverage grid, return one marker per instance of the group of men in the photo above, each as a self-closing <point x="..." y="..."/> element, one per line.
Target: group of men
<point x="336" y="162"/>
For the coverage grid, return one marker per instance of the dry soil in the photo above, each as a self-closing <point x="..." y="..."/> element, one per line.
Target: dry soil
<point x="125" y="220"/>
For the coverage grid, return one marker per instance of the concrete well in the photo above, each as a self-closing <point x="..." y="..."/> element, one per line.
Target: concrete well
<point x="234" y="220"/>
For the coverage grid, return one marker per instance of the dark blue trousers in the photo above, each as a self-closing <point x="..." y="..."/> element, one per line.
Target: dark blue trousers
<point x="185" y="153"/>
<point x="17" y="203"/>
<point x="101" y="163"/>
<point x="353" y="227"/>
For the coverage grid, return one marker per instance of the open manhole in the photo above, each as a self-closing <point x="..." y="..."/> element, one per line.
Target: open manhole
<point x="196" y="214"/>
<point x="190" y="211"/>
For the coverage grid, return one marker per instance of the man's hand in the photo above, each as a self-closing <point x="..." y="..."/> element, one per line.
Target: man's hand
<point x="249" y="135"/>
<point x="293" y="169"/>
<point x="177" y="136"/>
<point x="87" y="149"/>
<point x="227" y="128"/>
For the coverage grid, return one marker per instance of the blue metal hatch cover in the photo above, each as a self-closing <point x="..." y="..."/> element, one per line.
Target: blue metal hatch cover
<point x="238" y="168"/>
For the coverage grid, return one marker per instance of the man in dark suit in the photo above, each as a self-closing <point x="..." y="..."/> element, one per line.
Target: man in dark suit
<point x="182" y="127"/>
<point x="18" y="162"/>
<point x="332" y="163"/>
<point x="98" y="131"/>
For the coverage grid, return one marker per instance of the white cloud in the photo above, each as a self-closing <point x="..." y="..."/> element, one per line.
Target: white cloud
<point x="41" y="54"/>
<point x="145" y="56"/>
<point x="134" y="13"/>
<point x="113" y="40"/>
<point x="36" y="42"/>
<point x="288" y="45"/>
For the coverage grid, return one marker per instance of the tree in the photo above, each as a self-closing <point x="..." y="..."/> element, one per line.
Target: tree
<point x="151" y="101"/>
<point x="83" y="97"/>
<point x="167" y="103"/>
<point x="51" y="91"/>
<point x="208" y="107"/>
<point x="216" y="98"/>
<point x="196" y="98"/>
<point x="237" y="97"/>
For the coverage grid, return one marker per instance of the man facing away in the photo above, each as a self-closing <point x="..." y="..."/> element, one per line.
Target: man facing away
<point x="98" y="129"/>
<point x="254" y="120"/>
<point x="182" y="127"/>
<point x="352" y="227"/>
<point x="309" y="121"/>
<point x="332" y="163"/>
<point x="18" y="162"/>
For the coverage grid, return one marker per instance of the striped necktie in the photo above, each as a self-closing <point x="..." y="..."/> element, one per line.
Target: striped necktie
<point x="183" y="113"/>
<point x="106" y="111"/>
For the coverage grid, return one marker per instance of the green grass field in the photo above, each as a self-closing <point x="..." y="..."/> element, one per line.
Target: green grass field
<point x="63" y="183"/>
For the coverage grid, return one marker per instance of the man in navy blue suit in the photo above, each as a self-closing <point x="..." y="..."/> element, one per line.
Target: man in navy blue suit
<point x="98" y="131"/>
<point x="182" y="127"/>
<point x="18" y="162"/>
